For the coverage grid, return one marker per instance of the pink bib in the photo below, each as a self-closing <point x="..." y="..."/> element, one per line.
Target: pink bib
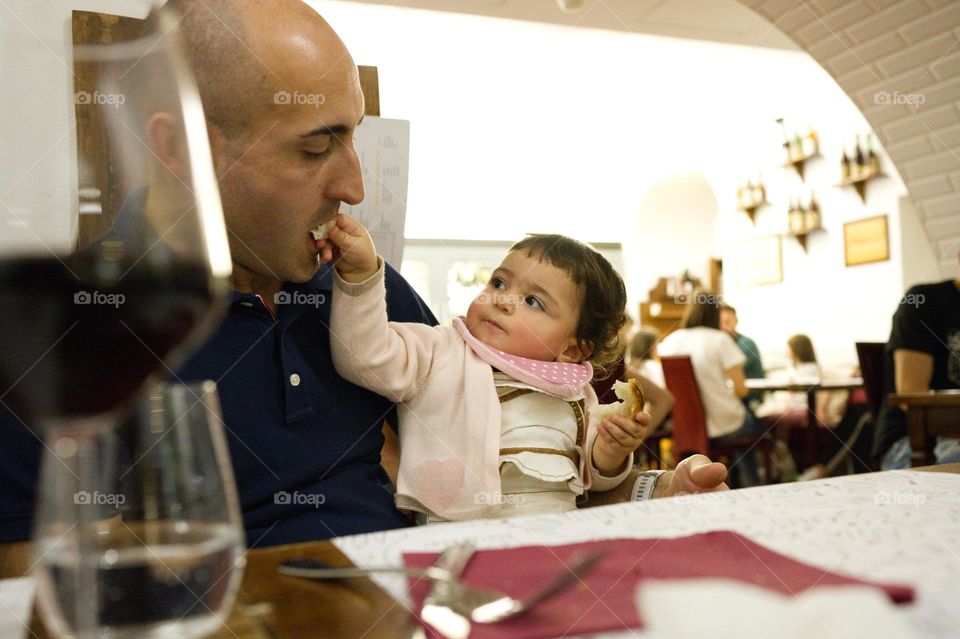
<point x="562" y="379"/>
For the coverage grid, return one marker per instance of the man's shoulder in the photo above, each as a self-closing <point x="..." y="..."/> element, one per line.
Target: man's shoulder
<point x="933" y="299"/>
<point x="947" y="289"/>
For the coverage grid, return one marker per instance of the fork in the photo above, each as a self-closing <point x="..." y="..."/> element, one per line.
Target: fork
<point x="488" y="606"/>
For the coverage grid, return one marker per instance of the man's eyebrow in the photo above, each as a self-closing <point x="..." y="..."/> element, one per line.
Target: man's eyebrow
<point x="336" y="129"/>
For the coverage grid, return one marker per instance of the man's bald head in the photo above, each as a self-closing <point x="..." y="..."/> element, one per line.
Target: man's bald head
<point x="283" y="101"/>
<point x="239" y="49"/>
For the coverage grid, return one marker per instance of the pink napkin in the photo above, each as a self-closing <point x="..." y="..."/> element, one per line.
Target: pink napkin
<point x="605" y="601"/>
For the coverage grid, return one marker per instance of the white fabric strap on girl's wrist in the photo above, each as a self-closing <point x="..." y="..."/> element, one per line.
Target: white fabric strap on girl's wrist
<point x="646" y="482"/>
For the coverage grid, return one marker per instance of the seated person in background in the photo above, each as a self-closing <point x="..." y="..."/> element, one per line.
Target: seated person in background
<point x="922" y="354"/>
<point x="496" y="411"/>
<point x="792" y="405"/>
<point x="753" y="367"/>
<point x="643" y="364"/>
<point x="803" y="359"/>
<point x="718" y="366"/>
<point x="788" y="410"/>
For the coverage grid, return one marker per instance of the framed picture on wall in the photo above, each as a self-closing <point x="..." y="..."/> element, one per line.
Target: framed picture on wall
<point x="759" y="261"/>
<point x="866" y="241"/>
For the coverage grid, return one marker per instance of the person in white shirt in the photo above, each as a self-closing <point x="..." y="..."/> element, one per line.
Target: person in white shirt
<point x="718" y="367"/>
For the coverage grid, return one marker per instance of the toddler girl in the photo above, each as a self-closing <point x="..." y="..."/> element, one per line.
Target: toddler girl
<point x="497" y="415"/>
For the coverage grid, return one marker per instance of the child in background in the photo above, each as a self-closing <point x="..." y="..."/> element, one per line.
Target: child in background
<point x="791" y="406"/>
<point x="495" y="411"/>
<point x="803" y="359"/>
<point x="642" y="356"/>
<point x="643" y="363"/>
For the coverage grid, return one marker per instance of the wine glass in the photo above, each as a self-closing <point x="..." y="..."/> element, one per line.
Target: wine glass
<point x="114" y="264"/>
<point x="138" y="531"/>
<point x="111" y="270"/>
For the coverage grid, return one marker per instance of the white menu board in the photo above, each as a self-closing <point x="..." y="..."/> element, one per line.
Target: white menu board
<point x="384" y="149"/>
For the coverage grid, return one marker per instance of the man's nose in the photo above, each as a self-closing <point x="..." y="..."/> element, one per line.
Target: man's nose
<point x="346" y="183"/>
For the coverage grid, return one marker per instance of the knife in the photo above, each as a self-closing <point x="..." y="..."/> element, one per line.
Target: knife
<point x="435" y="612"/>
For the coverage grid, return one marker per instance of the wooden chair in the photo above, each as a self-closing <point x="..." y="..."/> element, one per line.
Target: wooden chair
<point x="690" y="420"/>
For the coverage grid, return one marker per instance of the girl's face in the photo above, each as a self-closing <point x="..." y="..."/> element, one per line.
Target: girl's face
<point x="529" y="308"/>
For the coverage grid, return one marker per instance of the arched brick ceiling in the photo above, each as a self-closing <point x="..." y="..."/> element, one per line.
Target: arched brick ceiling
<point x="887" y="54"/>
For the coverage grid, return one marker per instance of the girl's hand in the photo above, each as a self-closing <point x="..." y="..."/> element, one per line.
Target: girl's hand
<point x="353" y="250"/>
<point x="617" y="437"/>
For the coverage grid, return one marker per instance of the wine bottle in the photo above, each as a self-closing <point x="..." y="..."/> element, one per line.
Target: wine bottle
<point x="844" y="164"/>
<point x="861" y="161"/>
<point x="813" y="141"/>
<point x="687" y="283"/>
<point x="812" y="218"/>
<point x="786" y="139"/>
<point x="873" y="160"/>
<point x="794" y="217"/>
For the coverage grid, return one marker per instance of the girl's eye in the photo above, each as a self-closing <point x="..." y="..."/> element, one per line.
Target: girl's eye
<point x="314" y="155"/>
<point x="533" y="302"/>
<point x="496" y="282"/>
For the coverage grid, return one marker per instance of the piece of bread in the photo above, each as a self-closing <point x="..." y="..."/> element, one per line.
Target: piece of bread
<point x="631" y="392"/>
<point x="322" y="232"/>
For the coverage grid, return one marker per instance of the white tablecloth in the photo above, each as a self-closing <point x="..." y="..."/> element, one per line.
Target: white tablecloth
<point x="901" y="526"/>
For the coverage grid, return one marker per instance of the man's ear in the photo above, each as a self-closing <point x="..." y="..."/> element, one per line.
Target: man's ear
<point x="165" y="136"/>
<point x="575" y="352"/>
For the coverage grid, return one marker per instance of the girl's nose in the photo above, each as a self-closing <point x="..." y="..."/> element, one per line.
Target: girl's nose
<point x="502" y="301"/>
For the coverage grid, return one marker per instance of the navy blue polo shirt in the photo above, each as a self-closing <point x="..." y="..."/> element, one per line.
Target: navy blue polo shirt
<point x="305" y="443"/>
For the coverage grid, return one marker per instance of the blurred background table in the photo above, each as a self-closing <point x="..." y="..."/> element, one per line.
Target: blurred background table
<point x="811" y="387"/>
<point x="929" y="415"/>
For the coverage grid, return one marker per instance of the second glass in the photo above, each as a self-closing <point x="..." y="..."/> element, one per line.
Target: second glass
<point x="138" y="531"/>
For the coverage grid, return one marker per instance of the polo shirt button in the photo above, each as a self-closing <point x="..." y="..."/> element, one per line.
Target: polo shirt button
<point x="294" y="380"/>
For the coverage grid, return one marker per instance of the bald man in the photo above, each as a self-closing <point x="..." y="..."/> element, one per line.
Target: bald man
<point x="282" y="110"/>
<point x="283" y="102"/>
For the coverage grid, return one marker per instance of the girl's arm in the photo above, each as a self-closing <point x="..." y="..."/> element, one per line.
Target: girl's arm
<point x="389" y="358"/>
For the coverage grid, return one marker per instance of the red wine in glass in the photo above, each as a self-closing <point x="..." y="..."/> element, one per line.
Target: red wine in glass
<point x="78" y="337"/>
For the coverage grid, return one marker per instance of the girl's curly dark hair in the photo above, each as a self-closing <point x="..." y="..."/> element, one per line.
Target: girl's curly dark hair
<point x="603" y="297"/>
